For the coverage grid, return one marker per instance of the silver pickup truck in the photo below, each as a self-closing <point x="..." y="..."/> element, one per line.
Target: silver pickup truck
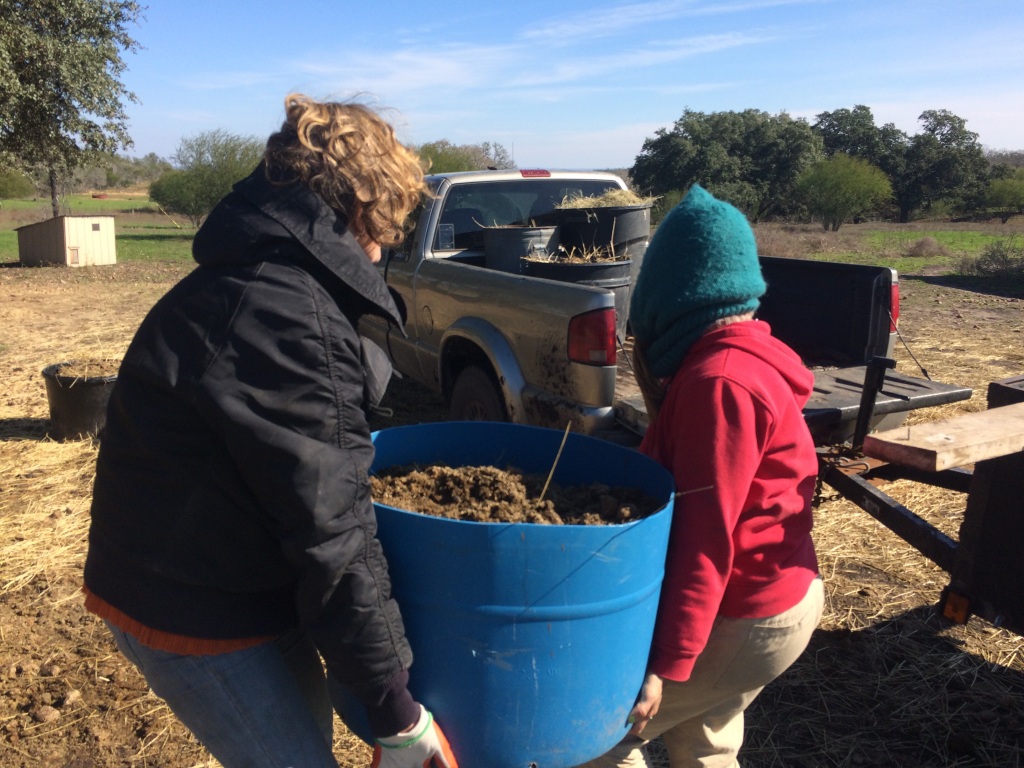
<point x="500" y="345"/>
<point x="496" y="344"/>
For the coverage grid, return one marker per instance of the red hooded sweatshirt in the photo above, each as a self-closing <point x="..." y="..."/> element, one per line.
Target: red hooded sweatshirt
<point x="732" y="432"/>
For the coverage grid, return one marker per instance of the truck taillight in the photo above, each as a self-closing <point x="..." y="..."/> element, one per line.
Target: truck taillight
<point x="894" y="307"/>
<point x="592" y="338"/>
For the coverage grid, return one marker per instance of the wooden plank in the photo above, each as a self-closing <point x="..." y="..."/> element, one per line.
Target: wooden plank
<point x="954" y="442"/>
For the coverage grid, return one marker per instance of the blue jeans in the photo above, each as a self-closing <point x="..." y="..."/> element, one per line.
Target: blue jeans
<point x="262" y="707"/>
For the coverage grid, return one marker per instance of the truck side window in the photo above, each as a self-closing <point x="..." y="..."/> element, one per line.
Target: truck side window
<point x="403" y="251"/>
<point x="460" y="229"/>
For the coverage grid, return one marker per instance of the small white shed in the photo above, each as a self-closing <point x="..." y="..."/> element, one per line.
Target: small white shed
<point x="75" y="241"/>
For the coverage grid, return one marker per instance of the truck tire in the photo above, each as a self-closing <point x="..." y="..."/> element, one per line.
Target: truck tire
<point x="476" y="397"/>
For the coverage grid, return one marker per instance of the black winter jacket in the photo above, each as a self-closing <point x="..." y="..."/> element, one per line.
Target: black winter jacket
<point x="231" y="497"/>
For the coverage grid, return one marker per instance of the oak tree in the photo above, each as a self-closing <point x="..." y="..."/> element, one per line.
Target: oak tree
<point x="750" y="158"/>
<point x="61" y="97"/>
<point x="944" y="162"/>
<point x="1005" y="196"/>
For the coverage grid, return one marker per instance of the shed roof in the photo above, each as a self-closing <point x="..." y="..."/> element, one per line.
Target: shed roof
<point x="67" y="216"/>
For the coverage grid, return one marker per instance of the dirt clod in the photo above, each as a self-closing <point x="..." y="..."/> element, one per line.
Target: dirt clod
<point x="45" y="714"/>
<point x="492" y="495"/>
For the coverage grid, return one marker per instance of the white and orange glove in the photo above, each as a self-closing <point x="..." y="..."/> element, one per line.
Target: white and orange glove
<point x="422" y="746"/>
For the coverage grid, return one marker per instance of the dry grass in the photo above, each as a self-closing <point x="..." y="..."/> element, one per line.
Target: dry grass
<point x="574" y="255"/>
<point x="611" y="198"/>
<point x="44" y="543"/>
<point x="878" y="242"/>
<point x="928" y="247"/>
<point x="883" y="663"/>
<point x="799" y="241"/>
<point x="883" y="683"/>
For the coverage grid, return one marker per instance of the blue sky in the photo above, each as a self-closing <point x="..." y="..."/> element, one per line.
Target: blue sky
<point x="567" y="83"/>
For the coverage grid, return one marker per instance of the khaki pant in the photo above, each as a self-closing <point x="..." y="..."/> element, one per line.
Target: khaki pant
<point x="701" y="720"/>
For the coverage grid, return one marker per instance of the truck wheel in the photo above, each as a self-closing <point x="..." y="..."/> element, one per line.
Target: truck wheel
<point x="476" y="397"/>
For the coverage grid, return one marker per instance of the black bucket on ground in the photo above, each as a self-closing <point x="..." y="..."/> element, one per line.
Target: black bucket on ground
<point x="616" y="276"/>
<point x="78" y="405"/>
<point x="505" y="246"/>
<point x="622" y="230"/>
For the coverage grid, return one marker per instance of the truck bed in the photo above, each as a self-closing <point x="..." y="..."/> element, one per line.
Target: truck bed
<point x="836" y="399"/>
<point x="837" y="317"/>
<point x="832" y="410"/>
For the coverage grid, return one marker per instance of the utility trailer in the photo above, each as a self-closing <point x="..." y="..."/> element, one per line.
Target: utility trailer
<point x="980" y="454"/>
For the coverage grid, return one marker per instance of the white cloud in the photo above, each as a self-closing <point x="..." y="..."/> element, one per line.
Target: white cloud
<point x="595" y="24"/>
<point x="621" y="63"/>
<point x="431" y="70"/>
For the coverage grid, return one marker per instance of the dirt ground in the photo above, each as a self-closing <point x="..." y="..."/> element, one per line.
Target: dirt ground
<point x="883" y="683"/>
<point x="487" y="494"/>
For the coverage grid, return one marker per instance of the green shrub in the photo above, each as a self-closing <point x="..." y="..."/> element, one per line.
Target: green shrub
<point x="1002" y="258"/>
<point x="666" y="203"/>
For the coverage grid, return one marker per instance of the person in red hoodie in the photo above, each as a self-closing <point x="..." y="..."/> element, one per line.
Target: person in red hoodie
<point x="741" y="595"/>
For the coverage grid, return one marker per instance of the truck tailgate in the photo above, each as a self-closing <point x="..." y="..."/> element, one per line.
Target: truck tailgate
<point x="831" y="412"/>
<point x="837" y="395"/>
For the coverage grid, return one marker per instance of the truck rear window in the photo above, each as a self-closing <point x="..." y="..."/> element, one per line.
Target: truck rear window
<point x="468" y="208"/>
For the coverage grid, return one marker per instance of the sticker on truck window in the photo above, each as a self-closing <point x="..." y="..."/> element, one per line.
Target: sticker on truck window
<point x="445" y="237"/>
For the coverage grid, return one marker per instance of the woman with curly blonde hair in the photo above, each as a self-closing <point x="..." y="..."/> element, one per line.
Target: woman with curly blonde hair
<point x="233" y="550"/>
<point x="348" y="156"/>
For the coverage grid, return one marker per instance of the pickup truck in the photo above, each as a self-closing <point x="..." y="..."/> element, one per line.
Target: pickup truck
<point x="499" y="345"/>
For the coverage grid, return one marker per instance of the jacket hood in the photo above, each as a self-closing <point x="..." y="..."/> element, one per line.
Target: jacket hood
<point x="753" y="337"/>
<point x="256" y="215"/>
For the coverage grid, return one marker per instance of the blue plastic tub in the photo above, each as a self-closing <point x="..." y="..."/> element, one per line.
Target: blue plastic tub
<point x="530" y="641"/>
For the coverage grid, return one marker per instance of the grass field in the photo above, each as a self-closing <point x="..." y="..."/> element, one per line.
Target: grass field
<point x="146" y="233"/>
<point x="884" y="682"/>
<point x="87" y="204"/>
<point x="142" y="230"/>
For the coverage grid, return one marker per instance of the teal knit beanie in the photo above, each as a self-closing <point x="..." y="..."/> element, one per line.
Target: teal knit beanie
<point x="700" y="266"/>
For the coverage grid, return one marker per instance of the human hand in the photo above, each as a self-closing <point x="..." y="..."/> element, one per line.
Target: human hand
<point x="422" y="746"/>
<point x="647" y="704"/>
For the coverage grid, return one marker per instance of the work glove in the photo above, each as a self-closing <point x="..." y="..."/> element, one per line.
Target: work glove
<point x="422" y="746"/>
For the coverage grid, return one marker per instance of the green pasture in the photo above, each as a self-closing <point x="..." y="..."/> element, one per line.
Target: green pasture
<point x="81" y="204"/>
<point x="143" y="231"/>
<point x="8" y="246"/>
<point x="146" y="233"/>
<point x="963" y="242"/>
<point x="85" y="204"/>
<point x="903" y="264"/>
<point x="154" y="242"/>
<point x="910" y="250"/>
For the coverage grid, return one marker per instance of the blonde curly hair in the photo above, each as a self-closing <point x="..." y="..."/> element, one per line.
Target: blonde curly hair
<point x="349" y="156"/>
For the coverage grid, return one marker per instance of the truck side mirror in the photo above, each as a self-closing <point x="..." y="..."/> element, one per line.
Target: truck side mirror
<point x="395" y="254"/>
